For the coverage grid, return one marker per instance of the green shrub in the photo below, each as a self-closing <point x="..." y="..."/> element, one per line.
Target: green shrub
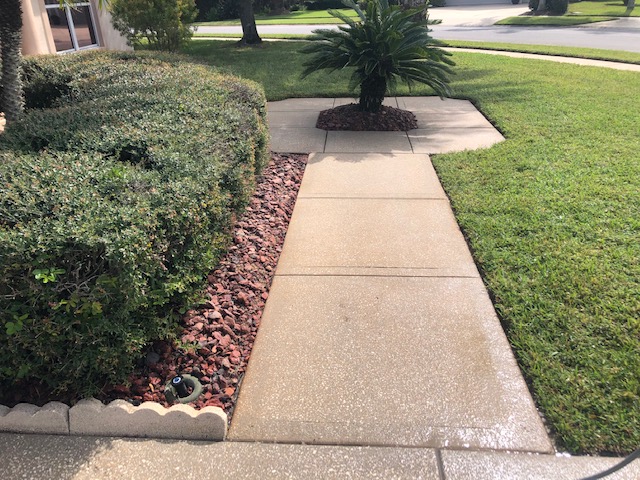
<point x="113" y="207"/>
<point x="165" y="24"/>
<point x="558" y="7"/>
<point x="323" y="4"/>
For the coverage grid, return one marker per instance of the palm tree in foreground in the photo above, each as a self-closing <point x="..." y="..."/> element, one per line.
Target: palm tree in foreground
<point x="387" y="44"/>
<point x="11" y="102"/>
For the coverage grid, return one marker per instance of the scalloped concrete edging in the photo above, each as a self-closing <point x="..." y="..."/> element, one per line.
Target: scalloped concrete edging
<point x="118" y="418"/>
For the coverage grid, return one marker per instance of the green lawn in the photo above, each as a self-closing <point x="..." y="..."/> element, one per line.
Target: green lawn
<point x="306" y="17"/>
<point x="592" y="53"/>
<point x="610" y="8"/>
<point x="552" y="216"/>
<point x="551" y="20"/>
<point x="579" y="13"/>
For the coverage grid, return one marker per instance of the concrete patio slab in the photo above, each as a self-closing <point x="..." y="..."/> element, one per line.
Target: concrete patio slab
<point x="297" y="104"/>
<point x="346" y="175"/>
<point x="429" y="120"/>
<point x="435" y="104"/>
<point x="296" y="119"/>
<point x="387" y="361"/>
<point x="362" y="236"/>
<point x="297" y="140"/>
<point x="507" y="466"/>
<point x="388" y="101"/>
<point x="39" y="457"/>
<point x="444" y="140"/>
<point x="367" y="142"/>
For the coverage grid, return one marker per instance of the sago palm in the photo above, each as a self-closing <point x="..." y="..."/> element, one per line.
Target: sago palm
<point x="387" y="44"/>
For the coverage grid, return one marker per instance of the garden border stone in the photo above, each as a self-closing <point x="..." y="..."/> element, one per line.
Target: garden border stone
<point x="118" y="418"/>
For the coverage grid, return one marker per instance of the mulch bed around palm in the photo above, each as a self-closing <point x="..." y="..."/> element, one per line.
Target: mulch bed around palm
<point x="350" y="117"/>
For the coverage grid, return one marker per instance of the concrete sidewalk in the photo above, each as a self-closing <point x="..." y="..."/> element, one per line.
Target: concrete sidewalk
<point x="378" y="329"/>
<point x="378" y="344"/>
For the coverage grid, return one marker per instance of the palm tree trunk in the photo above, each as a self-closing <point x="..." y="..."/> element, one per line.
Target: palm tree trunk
<point x="11" y="101"/>
<point x="372" y="91"/>
<point x="248" y="20"/>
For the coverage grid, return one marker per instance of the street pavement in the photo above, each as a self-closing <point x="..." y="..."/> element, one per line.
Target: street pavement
<point x="476" y="23"/>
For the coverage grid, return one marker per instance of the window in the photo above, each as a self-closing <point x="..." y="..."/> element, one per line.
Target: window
<point x="72" y="26"/>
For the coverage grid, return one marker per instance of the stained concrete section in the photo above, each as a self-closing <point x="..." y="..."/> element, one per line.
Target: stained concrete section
<point x="299" y="104"/>
<point x="508" y="466"/>
<point x="53" y="418"/>
<point x="120" y="418"/>
<point x="388" y="101"/>
<point x="370" y="176"/>
<point x="39" y="457"/>
<point x="385" y="361"/>
<point x="372" y="236"/>
<point x="297" y="140"/>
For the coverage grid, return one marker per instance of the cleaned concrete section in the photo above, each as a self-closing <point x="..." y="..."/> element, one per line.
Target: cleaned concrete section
<point x="367" y="142"/>
<point x="444" y="140"/>
<point x="440" y="121"/>
<point x="385" y="361"/>
<point x="297" y="140"/>
<point x="436" y="105"/>
<point x="53" y="418"/>
<point x="370" y="176"/>
<point x="508" y="466"/>
<point x="38" y="457"/>
<point x="402" y="236"/>
<point x="120" y="418"/>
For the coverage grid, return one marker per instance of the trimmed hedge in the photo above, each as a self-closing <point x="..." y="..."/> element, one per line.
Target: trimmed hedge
<point x="115" y="201"/>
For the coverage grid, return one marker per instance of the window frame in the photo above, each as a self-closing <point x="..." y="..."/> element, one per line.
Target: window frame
<point x="72" y="26"/>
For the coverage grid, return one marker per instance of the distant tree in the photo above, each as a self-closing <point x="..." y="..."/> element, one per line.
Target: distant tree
<point x="165" y="24"/>
<point x="277" y="7"/>
<point x="248" y="20"/>
<point x="631" y="4"/>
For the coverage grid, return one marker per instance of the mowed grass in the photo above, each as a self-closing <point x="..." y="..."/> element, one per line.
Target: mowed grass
<point x="551" y="20"/>
<point x="611" y="8"/>
<point x="592" y="53"/>
<point x="303" y="17"/>
<point x="553" y="218"/>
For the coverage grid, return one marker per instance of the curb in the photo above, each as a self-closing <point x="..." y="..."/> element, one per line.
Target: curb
<point x="118" y="418"/>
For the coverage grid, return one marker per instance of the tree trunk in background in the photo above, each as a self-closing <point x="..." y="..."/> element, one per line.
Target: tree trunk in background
<point x="11" y="101"/>
<point x="277" y="7"/>
<point x="630" y="6"/>
<point x="247" y="18"/>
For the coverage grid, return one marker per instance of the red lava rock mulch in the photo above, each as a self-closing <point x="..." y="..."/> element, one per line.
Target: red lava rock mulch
<point x="350" y="117"/>
<point x="217" y="338"/>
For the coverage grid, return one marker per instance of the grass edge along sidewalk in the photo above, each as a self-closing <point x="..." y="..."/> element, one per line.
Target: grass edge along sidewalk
<point x="551" y="215"/>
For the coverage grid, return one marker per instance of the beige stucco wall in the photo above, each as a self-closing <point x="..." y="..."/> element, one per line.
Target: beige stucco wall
<point x="110" y="38"/>
<point x="36" y="32"/>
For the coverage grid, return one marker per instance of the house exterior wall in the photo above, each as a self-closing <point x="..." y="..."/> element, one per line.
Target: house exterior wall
<point x="37" y="38"/>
